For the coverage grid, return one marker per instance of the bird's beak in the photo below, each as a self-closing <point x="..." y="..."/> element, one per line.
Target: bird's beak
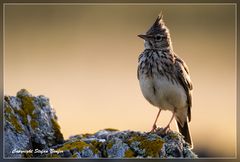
<point x="145" y="37"/>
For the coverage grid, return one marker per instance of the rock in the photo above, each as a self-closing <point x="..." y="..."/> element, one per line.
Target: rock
<point x="67" y="153"/>
<point x="116" y="148"/>
<point x="31" y="130"/>
<point x="128" y="144"/>
<point x="23" y="93"/>
<point x="30" y="123"/>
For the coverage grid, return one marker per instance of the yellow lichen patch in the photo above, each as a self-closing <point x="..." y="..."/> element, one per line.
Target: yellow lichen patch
<point x="152" y="147"/>
<point x="94" y="149"/>
<point x="34" y="116"/>
<point x="34" y="124"/>
<point x="22" y="114"/>
<point x="95" y="146"/>
<point x="79" y="145"/>
<point x="14" y="121"/>
<point x="111" y="129"/>
<point x="8" y="110"/>
<point x="56" y="128"/>
<point x="109" y="145"/>
<point x="129" y="153"/>
<point x="55" y="124"/>
<point x="27" y="109"/>
<point x="23" y="92"/>
<point x="27" y="104"/>
<point x="16" y="124"/>
<point x="174" y="135"/>
<point x="86" y="135"/>
<point x="10" y="117"/>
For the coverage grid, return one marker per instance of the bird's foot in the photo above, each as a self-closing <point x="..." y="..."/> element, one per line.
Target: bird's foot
<point x="163" y="131"/>
<point x="154" y="127"/>
<point x="166" y="129"/>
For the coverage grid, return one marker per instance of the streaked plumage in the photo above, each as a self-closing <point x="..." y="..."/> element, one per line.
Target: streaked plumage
<point x="164" y="77"/>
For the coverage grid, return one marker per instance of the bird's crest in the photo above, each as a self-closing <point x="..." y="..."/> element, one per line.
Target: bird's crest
<point x="158" y="26"/>
<point x="159" y="18"/>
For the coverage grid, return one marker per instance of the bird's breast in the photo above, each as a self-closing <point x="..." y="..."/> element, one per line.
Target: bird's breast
<point x="162" y="92"/>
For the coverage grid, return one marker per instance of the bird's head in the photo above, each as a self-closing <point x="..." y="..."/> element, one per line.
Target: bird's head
<point x="157" y="37"/>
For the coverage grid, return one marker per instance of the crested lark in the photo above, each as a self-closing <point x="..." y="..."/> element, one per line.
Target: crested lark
<point x="164" y="78"/>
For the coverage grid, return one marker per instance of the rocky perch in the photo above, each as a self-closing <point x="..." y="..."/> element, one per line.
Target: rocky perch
<point x="31" y="130"/>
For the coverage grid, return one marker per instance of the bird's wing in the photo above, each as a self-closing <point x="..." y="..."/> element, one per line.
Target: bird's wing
<point x="183" y="77"/>
<point x="139" y="58"/>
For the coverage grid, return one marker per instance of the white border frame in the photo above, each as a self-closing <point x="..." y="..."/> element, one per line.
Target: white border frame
<point x="123" y="4"/>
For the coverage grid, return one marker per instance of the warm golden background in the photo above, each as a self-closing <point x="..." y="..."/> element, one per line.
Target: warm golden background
<point x="84" y="58"/>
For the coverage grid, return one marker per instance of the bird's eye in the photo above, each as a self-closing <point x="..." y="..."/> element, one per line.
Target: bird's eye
<point x="158" y="37"/>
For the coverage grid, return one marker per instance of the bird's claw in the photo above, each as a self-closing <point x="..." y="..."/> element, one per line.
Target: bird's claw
<point x="166" y="129"/>
<point x="153" y="128"/>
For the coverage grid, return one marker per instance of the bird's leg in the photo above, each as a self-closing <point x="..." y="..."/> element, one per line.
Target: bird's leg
<point x="154" y="124"/>
<point x="168" y="126"/>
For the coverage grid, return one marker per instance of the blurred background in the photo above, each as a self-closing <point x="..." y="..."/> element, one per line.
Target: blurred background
<point x="84" y="58"/>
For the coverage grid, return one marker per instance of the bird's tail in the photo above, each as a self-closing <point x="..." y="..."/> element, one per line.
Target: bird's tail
<point x="185" y="132"/>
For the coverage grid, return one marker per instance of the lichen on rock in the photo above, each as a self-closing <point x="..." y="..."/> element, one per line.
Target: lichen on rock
<point x="128" y="144"/>
<point x="28" y="124"/>
<point x="31" y="124"/>
<point x="146" y="145"/>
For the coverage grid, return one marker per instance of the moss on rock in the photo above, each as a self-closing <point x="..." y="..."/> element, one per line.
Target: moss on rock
<point x="111" y="129"/>
<point x="28" y="109"/>
<point x="34" y="124"/>
<point x="15" y="123"/>
<point x="27" y="104"/>
<point x="28" y="124"/>
<point x="8" y="110"/>
<point x="152" y="147"/>
<point x="57" y="133"/>
<point x="79" y="145"/>
<point x="109" y="145"/>
<point x="86" y="135"/>
<point x="96" y="146"/>
<point x="10" y="117"/>
<point x="129" y="153"/>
